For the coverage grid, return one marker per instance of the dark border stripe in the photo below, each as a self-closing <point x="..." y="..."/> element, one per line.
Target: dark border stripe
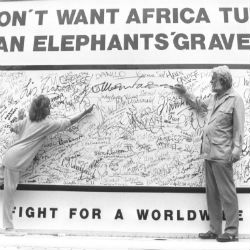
<point x="120" y="66"/>
<point x="123" y="189"/>
<point x="116" y="189"/>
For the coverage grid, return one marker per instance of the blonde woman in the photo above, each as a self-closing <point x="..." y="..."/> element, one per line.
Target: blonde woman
<point x="32" y="132"/>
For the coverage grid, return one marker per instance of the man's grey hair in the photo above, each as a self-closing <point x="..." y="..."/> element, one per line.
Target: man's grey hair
<point x="223" y="72"/>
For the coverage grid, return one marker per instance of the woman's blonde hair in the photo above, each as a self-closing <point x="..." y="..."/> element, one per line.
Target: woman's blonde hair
<point x="39" y="108"/>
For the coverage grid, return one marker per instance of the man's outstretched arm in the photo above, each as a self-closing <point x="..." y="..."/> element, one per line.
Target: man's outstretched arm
<point x="196" y="103"/>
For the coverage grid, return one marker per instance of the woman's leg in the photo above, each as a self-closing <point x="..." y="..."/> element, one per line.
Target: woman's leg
<point x="11" y="180"/>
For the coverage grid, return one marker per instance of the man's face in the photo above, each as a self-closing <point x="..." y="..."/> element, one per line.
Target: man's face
<point x="216" y="84"/>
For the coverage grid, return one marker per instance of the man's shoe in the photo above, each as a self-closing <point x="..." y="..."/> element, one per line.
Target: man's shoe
<point x="208" y="235"/>
<point x="226" y="237"/>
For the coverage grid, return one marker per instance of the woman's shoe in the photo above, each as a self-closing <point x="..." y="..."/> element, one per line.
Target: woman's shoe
<point x="13" y="232"/>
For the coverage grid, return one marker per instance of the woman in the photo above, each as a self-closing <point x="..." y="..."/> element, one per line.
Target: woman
<point x="32" y="132"/>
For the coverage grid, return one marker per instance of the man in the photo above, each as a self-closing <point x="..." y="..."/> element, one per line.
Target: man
<point x="221" y="146"/>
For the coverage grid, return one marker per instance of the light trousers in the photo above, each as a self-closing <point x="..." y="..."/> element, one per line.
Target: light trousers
<point x="11" y="180"/>
<point x="221" y="196"/>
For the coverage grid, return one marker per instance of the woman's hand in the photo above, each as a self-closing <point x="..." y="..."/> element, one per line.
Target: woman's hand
<point x="89" y="110"/>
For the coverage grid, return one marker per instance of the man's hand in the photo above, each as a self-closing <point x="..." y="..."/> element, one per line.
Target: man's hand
<point x="180" y="89"/>
<point x="235" y="155"/>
